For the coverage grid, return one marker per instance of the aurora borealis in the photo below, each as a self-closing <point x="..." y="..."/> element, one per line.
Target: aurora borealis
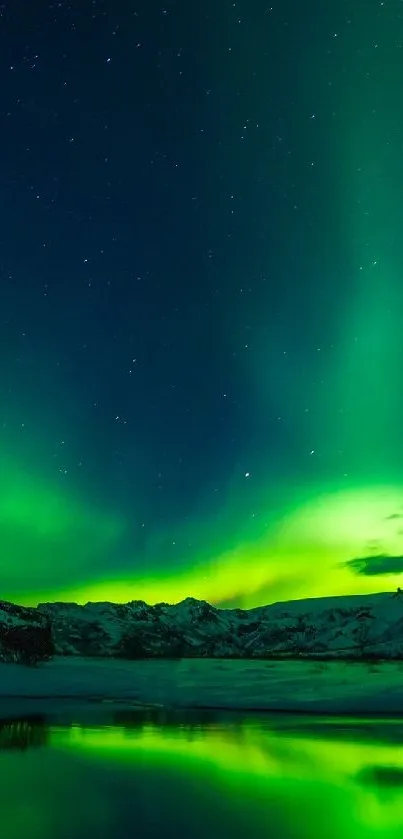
<point x="201" y="300"/>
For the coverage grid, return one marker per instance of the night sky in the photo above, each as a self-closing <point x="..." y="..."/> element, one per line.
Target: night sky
<point x="201" y="299"/>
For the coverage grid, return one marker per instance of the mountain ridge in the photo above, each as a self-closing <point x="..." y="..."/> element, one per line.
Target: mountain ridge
<point x="339" y="627"/>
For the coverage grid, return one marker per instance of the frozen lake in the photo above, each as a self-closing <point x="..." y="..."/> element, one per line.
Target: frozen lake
<point x="293" y="686"/>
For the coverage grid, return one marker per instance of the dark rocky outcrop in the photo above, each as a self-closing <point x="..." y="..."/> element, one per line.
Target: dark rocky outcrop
<point x="25" y="635"/>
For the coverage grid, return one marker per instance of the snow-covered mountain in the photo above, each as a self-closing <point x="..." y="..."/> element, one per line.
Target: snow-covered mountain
<point x="358" y="626"/>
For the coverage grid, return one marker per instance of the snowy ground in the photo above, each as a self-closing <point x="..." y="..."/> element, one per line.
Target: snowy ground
<point x="295" y="686"/>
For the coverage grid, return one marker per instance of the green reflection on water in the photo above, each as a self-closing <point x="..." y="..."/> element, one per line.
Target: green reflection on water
<point x="216" y="778"/>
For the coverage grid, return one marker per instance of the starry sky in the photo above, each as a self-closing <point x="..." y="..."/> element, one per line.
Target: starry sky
<point x="201" y="303"/>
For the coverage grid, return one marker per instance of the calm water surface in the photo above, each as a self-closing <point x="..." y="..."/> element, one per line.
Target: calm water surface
<point x="225" y="778"/>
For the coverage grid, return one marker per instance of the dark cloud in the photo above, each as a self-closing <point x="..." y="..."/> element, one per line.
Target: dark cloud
<point x="394" y="516"/>
<point x="390" y="777"/>
<point x="371" y="566"/>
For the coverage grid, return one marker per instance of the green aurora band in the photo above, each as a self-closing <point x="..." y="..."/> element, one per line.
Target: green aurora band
<point x="54" y="545"/>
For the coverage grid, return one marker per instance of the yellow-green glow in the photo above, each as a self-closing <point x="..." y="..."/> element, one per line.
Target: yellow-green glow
<point x="291" y="783"/>
<point x="239" y="757"/>
<point x="302" y="554"/>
